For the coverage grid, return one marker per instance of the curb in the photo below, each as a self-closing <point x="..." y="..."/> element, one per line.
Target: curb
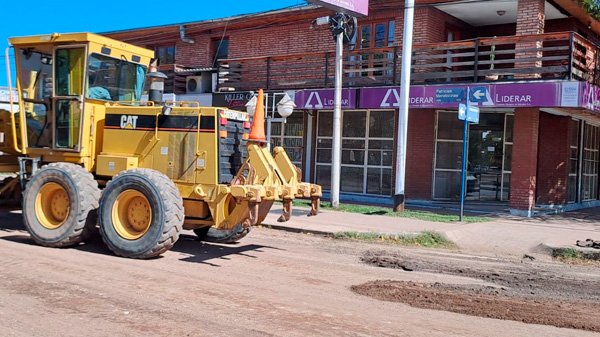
<point x="298" y="230"/>
<point x="331" y="234"/>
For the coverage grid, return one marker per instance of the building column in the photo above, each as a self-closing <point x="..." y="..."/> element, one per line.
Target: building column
<point x="530" y="21"/>
<point x="523" y="180"/>
<point x="420" y="147"/>
<point x="553" y="159"/>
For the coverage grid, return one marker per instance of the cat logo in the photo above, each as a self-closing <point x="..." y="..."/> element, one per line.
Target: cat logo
<point x="128" y="122"/>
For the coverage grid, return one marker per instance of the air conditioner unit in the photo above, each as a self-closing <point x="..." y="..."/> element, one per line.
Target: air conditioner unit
<point x="194" y="85"/>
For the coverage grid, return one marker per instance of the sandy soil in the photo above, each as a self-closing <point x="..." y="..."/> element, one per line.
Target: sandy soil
<point x="273" y="283"/>
<point x="526" y="292"/>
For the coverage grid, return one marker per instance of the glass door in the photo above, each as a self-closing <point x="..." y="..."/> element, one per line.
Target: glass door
<point x="448" y="156"/>
<point x="488" y="157"/>
<point x="69" y="70"/>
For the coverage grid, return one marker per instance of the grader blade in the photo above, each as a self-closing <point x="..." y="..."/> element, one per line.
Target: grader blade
<point x="314" y="206"/>
<point x="264" y="209"/>
<point x="287" y="211"/>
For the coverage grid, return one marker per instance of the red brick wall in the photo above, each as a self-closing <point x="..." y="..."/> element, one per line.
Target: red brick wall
<point x="530" y="17"/>
<point x="194" y="54"/>
<point x="431" y="26"/>
<point x="523" y="180"/>
<point x="295" y="38"/>
<point x="420" y="147"/>
<point x="553" y="159"/>
<point x="530" y="20"/>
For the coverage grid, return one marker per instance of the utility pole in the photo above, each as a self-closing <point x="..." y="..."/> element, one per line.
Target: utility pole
<point x="336" y="148"/>
<point x="399" y="197"/>
<point x="343" y="28"/>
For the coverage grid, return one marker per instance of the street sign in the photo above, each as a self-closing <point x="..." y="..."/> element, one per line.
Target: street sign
<point x="469" y="113"/>
<point x="462" y="112"/>
<point x="478" y="94"/>
<point x="450" y="95"/>
<point x="352" y="7"/>
<point x="472" y="114"/>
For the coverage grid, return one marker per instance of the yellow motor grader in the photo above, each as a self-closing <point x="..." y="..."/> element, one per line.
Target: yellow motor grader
<point x="88" y="152"/>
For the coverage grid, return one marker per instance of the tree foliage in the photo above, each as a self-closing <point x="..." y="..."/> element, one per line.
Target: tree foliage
<point x="592" y="7"/>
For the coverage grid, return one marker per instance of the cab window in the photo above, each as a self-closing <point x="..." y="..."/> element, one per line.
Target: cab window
<point x="69" y="71"/>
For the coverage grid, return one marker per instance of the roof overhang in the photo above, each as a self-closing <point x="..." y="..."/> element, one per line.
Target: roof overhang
<point x="487" y="13"/>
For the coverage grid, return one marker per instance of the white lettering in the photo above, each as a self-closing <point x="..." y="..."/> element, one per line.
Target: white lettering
<point x="317" y="105"/>
<point x="385" y="102"/>
<point x="130" y="121"/>
<point x="513" y="99"/>
<point x="421" y="100"/>
<point x="133" y="121"/>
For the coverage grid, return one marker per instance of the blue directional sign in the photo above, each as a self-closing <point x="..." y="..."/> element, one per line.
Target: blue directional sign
<point x="469" y="113"/>
<point x="472" y="114"/>
<point x="462" y="112"/>
<point x="450" y="95"/>
<point x="478" y="94"/>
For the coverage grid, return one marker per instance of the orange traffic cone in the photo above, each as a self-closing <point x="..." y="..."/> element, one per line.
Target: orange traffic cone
<point x="257" y="133"/>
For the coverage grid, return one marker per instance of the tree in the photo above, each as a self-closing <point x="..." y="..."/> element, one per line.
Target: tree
<point x="592" y="7"/>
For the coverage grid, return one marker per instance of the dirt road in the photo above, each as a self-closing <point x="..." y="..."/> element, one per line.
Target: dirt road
<point x="275" y="283"/>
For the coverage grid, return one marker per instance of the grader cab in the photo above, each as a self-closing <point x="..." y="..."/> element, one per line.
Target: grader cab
<point x="88" y="152"/>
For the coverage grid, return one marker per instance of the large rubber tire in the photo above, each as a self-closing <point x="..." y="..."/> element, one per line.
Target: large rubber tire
<point x="59" y="205"/>
<point x="140" y="214"/>
<point x="210" y="234"/>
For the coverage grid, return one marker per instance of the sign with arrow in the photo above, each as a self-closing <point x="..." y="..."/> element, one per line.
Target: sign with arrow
<point x="478" y="94"/>
<point x="468" y="112"/>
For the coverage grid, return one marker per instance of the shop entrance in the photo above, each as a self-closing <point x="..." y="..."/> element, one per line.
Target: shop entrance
<point x="485" y="153"/>
<point x="489" y="156"/>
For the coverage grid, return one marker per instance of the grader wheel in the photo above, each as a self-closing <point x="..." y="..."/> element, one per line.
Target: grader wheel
<point x="140" y="214"/>
<point x="59" y="205"/>
<point x="210" y="234"/>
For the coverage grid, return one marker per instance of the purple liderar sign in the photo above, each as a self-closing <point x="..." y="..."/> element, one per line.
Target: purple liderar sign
<point x="324" y="99"/>
<point x="354" y="7"/>
<point x="546" y="94"/>
<point x="591" y="97"/>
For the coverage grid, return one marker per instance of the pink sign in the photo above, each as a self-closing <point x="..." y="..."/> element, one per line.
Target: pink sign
<point x="353" y="7"/>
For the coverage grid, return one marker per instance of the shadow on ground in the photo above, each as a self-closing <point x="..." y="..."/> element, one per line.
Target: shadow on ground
<point x="211" y="253"/>
<point x="11" y="220"/>
<point x="189" y="245"/>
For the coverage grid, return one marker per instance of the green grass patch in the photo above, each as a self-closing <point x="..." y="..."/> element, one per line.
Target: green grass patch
<point x="423" y="239"/>
<point x="574" y="256"/>
<point x="388" y="211"/>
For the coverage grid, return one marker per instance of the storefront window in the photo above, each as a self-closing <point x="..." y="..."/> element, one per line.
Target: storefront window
<point x="289" y="135"/>
<point x="367" y="151"/>
<point x="508" y="146"/>
<point x="448" y="156"/>
<point x="573" y="160"/>
<point x="591" y="142"/>
<point x="488" y="157"/>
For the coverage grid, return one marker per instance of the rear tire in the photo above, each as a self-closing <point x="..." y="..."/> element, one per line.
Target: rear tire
<point x="210" y="234"/>
<point x="140" y="214"/>
<point x="59" y="205"/>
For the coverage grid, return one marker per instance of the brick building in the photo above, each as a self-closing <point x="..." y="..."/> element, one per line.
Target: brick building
<point x="530" y="65"/>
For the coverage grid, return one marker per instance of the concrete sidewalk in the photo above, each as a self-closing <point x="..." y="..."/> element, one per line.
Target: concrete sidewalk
<point x="505" y="236"/>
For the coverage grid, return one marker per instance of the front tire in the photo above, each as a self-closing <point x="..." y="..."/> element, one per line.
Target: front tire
<point x="59" y="205"/>
<point x="210" y="234"/>
<point x="140" y="214"/>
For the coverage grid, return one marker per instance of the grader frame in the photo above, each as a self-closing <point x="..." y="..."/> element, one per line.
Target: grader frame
<point x="163" y="166"/>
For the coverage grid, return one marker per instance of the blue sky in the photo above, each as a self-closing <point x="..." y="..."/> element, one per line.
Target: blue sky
<point x="37" y="17"/>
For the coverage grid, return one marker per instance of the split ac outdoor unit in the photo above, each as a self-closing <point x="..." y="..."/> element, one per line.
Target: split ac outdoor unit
<point x="194" y="85"/>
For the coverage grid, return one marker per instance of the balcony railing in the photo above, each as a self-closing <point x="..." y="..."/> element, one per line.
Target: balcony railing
<point x="564" y="55"/>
